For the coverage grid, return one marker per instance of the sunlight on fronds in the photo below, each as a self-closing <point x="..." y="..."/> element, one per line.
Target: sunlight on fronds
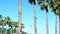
<point x="36" y="1"/>
<point x="55" y="5"/>
<point x="58" y="11"/>
<point x="45" y="3"/>
<point x="48" y="7"/>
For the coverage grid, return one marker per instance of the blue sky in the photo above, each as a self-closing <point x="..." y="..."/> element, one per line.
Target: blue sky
<point x="10" y="8"/>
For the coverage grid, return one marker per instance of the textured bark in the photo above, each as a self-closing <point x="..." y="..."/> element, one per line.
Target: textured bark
<point x="35" y="23"/>
<point x="47" y="29"/>
<point x="19" y="17"/>
<point x="56" y="24"/>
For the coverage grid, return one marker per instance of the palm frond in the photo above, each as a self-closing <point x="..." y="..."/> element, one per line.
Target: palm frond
<point x="39" y="3"/>
<point x="58" y="11"/>
<point x="32" y="1"/>
<point x="0" y="16"/>
<point x="42" y="8"/>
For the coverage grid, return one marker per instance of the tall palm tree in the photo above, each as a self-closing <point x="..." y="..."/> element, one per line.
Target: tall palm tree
<point x="58" y="2"/>
<point x="35" y="23"/>
<point x="19" y="17"/>
<point x="57" y="21"/>
<point x="56" y="25"/>
<point x="56" y="8"/>
<point x="44" y="4"/>
<point x="55" y="11"/>
<point x="58" y="13"/>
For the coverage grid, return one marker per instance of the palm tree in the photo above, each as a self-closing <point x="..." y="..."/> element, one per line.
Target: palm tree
<point x="56" y="8"/>
<point x="46" y="6"/>
<point x="0" y="22"/>
<point x="56" y="22"/>
<point x="8" y="21"/>
<point x="58" y="2"/>
<point x="58" y="13"/>
<point x="35" y="24"/>
<point x="19" y="17"/>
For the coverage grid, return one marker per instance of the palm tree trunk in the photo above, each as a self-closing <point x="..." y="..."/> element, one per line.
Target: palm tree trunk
<point x="35" y="24"/>
<point x="47" y="30"/>
<point x="19" y="17"/>
<point x="56" y="27"/>
<point x="59" y="24"/>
